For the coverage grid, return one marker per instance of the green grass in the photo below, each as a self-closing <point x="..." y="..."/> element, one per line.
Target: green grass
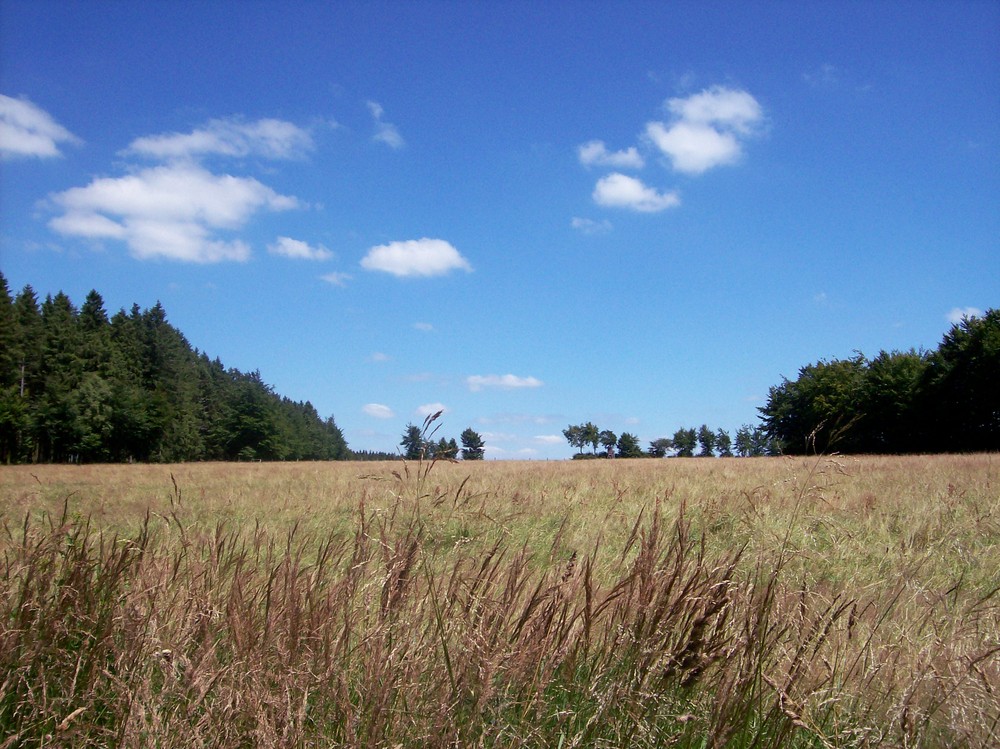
<point x="689" y="603"/>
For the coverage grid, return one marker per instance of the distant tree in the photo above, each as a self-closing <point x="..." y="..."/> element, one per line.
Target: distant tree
<point x="628" y="446"/>
<point x="724" y="444"/>
<point x="608" y="439"/>
<point x="591" y="435"/>
<point x="659" y="448"/>
<point x="706" y="438"/>
<point x="443" y="449"/>
<point x="575" y="436"/>
<point x="685" y="440"/>
<point x="413" y="443"/>
<point x="473" y="447"/>
<point x="753" y="442"/>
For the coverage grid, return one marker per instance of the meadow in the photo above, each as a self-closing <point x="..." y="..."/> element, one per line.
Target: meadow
<point x="769" y="602"/>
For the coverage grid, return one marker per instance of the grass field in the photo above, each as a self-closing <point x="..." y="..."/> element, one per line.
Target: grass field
<point x="775" y="602"/>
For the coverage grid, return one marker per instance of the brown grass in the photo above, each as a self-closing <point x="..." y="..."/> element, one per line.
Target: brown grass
<point x="772" y="602"/>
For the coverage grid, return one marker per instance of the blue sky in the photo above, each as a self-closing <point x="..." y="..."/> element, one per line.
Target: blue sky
<point x="528" y="214"/>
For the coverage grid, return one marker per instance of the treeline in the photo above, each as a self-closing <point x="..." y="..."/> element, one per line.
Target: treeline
<point x="418" y="443"/>
<point x="78" y="386"/>
<point x="946" y="400"/>
<point x="751" y="441"/>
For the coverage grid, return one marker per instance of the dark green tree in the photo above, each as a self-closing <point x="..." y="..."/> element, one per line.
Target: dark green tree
<point x="706" y="439"/>
<point x="413" y="443"/>
<point x="473" y="447"/>
<point x="685" y="440"/>
<point x="76" y="386"/>
<point x="628" y="446"/>
<point x="890" y="420"/>
<point x="608" y="440"/>
<point x="820" y="411"/>
<point x="959" y="391"/>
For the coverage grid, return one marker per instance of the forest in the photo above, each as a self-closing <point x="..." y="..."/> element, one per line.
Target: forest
<point x="941" y="401"/>
<point x="78" y="386"/>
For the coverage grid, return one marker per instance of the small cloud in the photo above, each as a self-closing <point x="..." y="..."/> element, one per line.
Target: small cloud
<point x="294" y="248"/>
<point x="429" y="409"/>
<point x="549" y="439"/>
<point x="621" y="191"/>
<point x="595" y="153"/>
<point x="956" y="315"/>
<point x="589" y="226"/>
<point x="266" y="138"/>
<point x="415" y="257"/>
<point x="27" y="130"/>
<point x="337" y="279"/>
<point x="384" y="131"/>
<point x="821" y="299"/>
<point x="476" y="383"/>
<point x="825" y="75"/>
<point x="499" y="437"/>
<point x="707" y="129"/>
<point x="423" y="327"/>
<point x="378" y="357"/>
<point x="378" y="411"/>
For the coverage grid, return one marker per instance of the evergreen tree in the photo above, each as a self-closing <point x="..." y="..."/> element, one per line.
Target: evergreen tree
<point x="724" y="444"/>
<point x="412" y="443"/>
<point x="75" y="385"/>
<point x="473" y="447"/>
<point x="628" y="446"/>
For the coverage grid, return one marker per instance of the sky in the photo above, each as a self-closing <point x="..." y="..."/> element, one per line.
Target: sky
<point x="527" y="215"/>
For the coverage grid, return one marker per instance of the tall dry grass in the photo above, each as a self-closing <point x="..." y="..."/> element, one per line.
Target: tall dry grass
<point x="654" y="603"/>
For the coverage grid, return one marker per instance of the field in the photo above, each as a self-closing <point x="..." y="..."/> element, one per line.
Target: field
<point x="772" y="602"/>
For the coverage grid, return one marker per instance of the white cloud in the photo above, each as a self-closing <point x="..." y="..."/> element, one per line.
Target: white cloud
<point x="28" y="130"/>
<point x="378" y="411"/>
<point x="504" y="382"/>
<point x="337" y="279"/>
<point x="415" y="257"/>
<point x="423" y="327"/>
<point x="589" y="226"/>
<point x="294" y="248"/>
<point x="694" y="148"/>
<point x="595" y="153"/>
<point x="707" y="129"/>
<point x="378" y="357"/>
<point x="170" y="212"/>
<point x="268" y="138"/>
<point x="429" y="409"/>
<point x="384" y="131"/>
<point x="549" y="439"/>
<point x="955" y="316"/>
<point x="621" y="191"/>
<point x="721" y="107"/>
